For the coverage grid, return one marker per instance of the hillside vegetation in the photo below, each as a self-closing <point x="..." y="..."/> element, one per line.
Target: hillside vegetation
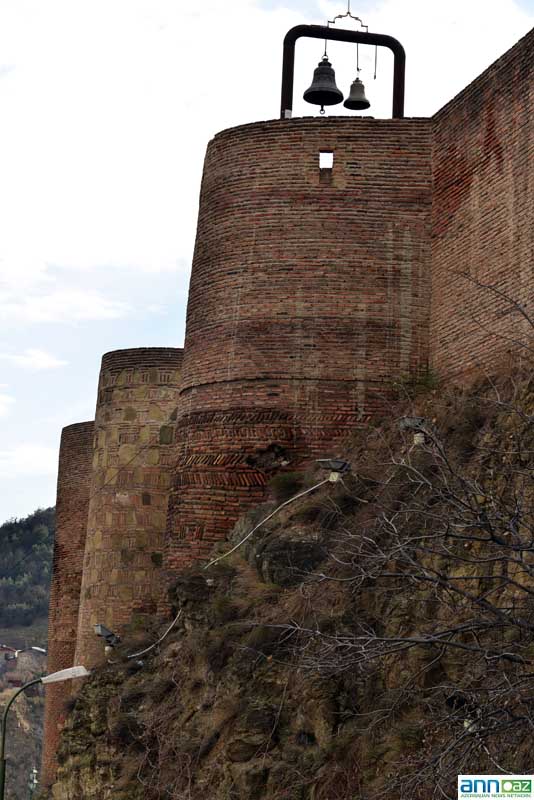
<point x="373" y="640"/>
<point x="25" y="568"/>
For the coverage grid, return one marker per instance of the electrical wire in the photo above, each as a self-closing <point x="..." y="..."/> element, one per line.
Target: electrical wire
<point x="152" y="646"/>
<point x="276" y="510"/>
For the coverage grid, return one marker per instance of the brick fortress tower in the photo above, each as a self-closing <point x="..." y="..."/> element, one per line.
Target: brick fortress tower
<point x="308" y="297"/>
<point x="73" y="487"/>
<point x="132" y="460"/>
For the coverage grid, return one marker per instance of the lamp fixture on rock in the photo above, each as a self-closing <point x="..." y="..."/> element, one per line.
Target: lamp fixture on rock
<point x="111" y="639"/>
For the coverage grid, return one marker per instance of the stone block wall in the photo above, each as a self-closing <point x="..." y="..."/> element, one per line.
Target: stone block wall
<point x="132" y="461"/>
<point x="72" y="503"/>
<point x="309" y="296"/>
<point x="483" y="217"/>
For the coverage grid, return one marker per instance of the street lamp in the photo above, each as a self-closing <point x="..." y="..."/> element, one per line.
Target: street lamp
<point x="55" y="677"/>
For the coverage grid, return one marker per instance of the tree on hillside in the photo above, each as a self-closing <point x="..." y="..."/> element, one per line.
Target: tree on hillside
<point x="25" y="567"/>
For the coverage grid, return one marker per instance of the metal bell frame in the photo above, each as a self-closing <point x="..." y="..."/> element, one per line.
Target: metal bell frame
<point x="340" y="35"/>
<point x="323" y="90"/>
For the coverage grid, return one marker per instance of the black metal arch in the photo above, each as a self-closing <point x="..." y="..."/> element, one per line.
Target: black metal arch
<point x="359" y="37"/>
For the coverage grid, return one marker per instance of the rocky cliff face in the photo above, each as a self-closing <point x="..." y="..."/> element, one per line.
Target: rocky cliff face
<point x="371" y="640"/>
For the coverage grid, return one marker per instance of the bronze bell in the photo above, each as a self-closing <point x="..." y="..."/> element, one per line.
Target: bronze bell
<point x="357" y="101"/>
<point x="323" y="91"/>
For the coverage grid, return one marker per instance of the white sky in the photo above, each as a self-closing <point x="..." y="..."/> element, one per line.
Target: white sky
<point x="106" y="107"/>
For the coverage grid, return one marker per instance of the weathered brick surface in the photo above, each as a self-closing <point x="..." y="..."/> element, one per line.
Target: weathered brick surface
<point x="137" y="394"/>
<point x="483" y="215"/>
<point x="309" y="294"/>
<point x="73" y="485"/>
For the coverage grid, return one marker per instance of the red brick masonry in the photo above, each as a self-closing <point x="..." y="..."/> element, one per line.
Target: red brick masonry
<point x="483" y="216"/>
<point x="73" y="485"/>
<point x="309" y="295"/>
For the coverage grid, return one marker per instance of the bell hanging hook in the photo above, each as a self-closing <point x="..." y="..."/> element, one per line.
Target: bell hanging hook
<point x="349" y="14"/>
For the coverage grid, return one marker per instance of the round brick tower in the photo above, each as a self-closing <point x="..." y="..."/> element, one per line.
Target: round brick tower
<point x="73" y="486"/>
<point x="132" y="459"/>
<point x="309" y="295"/>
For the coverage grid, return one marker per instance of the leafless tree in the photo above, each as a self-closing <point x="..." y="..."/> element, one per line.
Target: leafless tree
<point x="439" y="560"/>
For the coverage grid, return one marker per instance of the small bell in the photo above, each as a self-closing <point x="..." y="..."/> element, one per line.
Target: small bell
<point x="323" y="91"/>
<point x="357" y="101"/>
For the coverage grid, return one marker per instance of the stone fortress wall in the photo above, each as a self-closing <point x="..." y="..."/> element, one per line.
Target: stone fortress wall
<point x="132" y="462"/>
<point x="312" y="291"/>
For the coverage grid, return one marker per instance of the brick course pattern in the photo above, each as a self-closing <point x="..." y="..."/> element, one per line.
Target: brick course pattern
<point x="132" y="460"/>
<point x="483" y="216"/>
<point x="73" y="486"/>
<point x="309" y="294"/>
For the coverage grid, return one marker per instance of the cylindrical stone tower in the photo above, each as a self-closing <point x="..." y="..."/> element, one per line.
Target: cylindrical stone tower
<point x="309" y="296"/>
<point x="73" y="486"/>
<point x="132" y="460"/>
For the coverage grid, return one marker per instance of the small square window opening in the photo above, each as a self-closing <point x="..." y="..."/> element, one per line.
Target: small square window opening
<point x="326" y="159"/>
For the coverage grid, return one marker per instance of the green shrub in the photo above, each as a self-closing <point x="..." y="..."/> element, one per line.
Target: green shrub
<point x="410" y="386"/>
<point x="223" y="609"/>
<point x="263" y="638"/>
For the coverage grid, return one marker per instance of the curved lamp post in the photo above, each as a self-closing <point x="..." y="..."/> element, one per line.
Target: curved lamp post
<point x="55" y="677"/>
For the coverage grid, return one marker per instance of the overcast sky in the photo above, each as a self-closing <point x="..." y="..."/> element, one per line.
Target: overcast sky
<point x="106" y="107"/>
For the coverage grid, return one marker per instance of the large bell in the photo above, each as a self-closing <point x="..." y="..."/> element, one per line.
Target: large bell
<point x="357" y="101"/>
<point x="323" y="91"/>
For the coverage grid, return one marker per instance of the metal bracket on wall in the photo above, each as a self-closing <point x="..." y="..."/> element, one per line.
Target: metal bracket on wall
<point x="357" y="37"/>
